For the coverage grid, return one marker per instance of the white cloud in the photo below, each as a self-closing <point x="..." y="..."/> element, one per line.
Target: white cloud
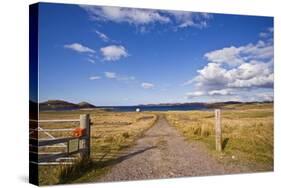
<point x="238" y="55"/>
<point x="195" y="94"/>
<point x="147" y="85"/>
<point x="255" y="74"/>
<point x="186" y="19"/>
<point x="79" y="48"/>
<point x="181" y="19"/>
<point x="214" y="77"/>
<point x="229" y="55"/>
<point x="95" y="78"/>
<point x="113" y="75"/>
<point x="110" y="75"/>
<point x="102" y="36"/>
<point x="130" y="15"/>
<point x="265" y="81"/>
<point x="267" y="33"/>
<point x="113" y="52"/>
<point x="91" y="60"/>
<point x="222" y="92"/>
<point x="211" y="77"/>
<point x="233" y="70"/>
<point x="262" y="50"/>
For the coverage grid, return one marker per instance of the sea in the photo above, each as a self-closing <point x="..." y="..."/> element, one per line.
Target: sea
<point x="141" y="108"/>
<point x="156" y="108"/>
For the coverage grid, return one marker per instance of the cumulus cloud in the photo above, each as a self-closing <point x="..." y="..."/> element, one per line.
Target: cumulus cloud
<point x="95" y="78"/>
<point x="249" y="75"/>
<point x="181" y="19"/>
<point x="229" y="55"/>
<point x="102" y="36"/>
<point x="79" y="48"/>
<point x="113" y="52"/>
<point x="238" y="55"/>
<point x="213" y="76"/>
<point x="147" y="85"/>
<point x="232" y="70"/>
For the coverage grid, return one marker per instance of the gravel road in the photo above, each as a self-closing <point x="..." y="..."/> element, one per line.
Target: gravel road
<point x="163" y="153"/>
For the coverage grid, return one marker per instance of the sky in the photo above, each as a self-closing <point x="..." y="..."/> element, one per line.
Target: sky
<point x="111" y="56"/>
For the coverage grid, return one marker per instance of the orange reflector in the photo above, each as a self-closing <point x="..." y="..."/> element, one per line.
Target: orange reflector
<point x="78" y="132"/>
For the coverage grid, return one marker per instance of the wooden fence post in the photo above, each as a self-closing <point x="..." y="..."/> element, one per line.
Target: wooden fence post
<point x="218" y="130"/>
<point x="85" y="143"/>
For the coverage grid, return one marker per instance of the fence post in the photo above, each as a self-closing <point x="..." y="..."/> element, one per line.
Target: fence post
<point x="85" y="143"/>
<point x="218" y="129"/>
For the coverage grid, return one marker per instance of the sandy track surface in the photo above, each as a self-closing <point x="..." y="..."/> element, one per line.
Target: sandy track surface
<point x="163" y="153"/>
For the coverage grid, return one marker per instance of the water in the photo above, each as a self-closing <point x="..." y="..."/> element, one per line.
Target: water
<point x="157" y="108"/>
<point x="142" y="108"/>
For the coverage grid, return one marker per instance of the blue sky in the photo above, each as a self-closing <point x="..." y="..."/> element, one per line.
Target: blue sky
<point x="121" y="56"/>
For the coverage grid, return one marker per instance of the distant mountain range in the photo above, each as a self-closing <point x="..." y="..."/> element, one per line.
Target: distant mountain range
<point x="63" y="105"/>
<point x="207" y="105"/>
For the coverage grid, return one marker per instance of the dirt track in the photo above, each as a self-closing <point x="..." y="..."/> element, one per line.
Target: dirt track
<point x="163" y="153"/>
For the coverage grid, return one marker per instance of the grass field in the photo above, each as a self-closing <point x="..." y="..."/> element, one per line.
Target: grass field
<point x="247" y="131"/>
<point x="111" y="132"/>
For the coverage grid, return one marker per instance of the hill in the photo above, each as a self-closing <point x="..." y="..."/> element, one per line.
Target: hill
<point x="85" y="105"/>
<point x="63" y="105"/>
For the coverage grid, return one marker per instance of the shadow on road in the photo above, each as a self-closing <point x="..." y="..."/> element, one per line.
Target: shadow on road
<point x="74" y="172"/>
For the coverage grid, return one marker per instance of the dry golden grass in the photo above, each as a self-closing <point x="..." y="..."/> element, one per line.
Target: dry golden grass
<point x="247" y="132"/>
<point x="111" y="132"/>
